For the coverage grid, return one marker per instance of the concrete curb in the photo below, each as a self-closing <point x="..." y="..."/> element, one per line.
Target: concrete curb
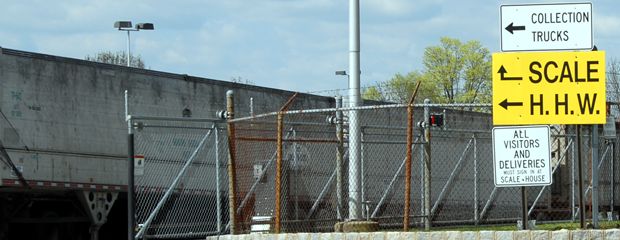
<point x="610" y="234"/>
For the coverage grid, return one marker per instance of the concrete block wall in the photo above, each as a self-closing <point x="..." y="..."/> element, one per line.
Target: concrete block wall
<point x="65" y="118"/>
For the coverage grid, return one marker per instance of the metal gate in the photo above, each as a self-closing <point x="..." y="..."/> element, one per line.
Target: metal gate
<point x="179" y="177"/>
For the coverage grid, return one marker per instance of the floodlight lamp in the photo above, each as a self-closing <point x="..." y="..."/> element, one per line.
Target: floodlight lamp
<point x="341" y="72"/>
<point x="122" y="24"/>
<point x="145" y="26"/>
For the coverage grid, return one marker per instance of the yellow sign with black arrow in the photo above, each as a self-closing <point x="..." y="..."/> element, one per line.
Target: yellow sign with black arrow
<point x="549" y="88"/>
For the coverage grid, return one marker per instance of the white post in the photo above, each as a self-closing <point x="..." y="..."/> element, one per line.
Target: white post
<point x="128" y="49"/>
<point x="354" y="101"/>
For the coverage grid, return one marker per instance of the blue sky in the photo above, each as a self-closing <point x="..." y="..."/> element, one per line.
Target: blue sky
<point x="287" y="44"/>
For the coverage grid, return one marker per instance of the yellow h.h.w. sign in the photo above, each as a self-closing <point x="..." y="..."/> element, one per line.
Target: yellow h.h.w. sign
<point x="549" y="88"/>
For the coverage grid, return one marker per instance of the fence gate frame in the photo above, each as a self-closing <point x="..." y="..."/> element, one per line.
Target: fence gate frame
<point x="135" y="123"/>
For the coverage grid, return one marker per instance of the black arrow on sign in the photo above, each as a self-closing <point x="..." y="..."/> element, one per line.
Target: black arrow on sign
<point x="505" y="104"/>
<point x="511" y="28"/>
<point x="502" y="71"/>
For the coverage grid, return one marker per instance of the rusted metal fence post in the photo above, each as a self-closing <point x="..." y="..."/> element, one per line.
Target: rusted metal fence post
<point x="278" y="180"/>
<point x="232" y="182"/>
<point x="279" y="154"/>
<point x="409" y="159"/>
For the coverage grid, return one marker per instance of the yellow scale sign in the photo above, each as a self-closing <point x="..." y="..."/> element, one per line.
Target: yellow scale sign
<point x="549" y="88"/>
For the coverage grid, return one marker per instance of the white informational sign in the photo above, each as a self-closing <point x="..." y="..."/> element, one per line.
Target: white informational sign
<point x="138" y="165"/>
<point x="541" y="27"/>
<point x="521" y="156"/>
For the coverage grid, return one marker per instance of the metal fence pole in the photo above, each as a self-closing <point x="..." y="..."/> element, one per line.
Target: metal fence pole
<point x="613" y="176"/>
<point x="409" y="158"/>
<point x="427" y="167"/>
<point x="232" y="182"/>
<point x="354" y="116"/>
<point x="572" y="181"/>
<point x="131" y="203"/>
<point x="278" y="180"/>
<point x="279" y="156"/>
<point x="524" y="208"/>
<point x="595" y="172"/>
<point x="421" y="172"/>
<point x="363" y="202"/>
<point x="582" y="210"/>
<point x="217" y="180"/>
<point x="475" y="180"/>
<point x="408" y="167"/>
<point x="295" y="177"/>
<point x="339" y="158"/>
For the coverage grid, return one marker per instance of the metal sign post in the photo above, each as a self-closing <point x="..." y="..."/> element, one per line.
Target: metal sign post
<point x="545" y="87"/>
<point x="522" y="157"/>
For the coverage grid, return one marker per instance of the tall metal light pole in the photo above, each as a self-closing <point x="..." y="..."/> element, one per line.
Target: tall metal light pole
<point x="126" y="26"/>
<point x="354" y="101"/>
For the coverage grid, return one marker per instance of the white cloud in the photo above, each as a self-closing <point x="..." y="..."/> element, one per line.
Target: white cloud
<point x="293" y="44"/>
<point x="606" y="25"/>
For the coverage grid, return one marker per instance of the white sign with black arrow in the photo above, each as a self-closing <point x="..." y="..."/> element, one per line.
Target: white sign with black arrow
<point x="546" y="27"/>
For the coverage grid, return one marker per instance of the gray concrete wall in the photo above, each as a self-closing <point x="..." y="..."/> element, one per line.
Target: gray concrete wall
<point x="65" y="118"/>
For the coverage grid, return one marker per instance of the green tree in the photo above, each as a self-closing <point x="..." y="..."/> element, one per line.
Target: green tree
<point x="613" y="80"/>
<point x="117" y="58"/>
<point x="461" y="71"/>
<point x="400" y="88"/>
<point x="443" y="66"/>
<point x="453" y="72"/>
<point x="373" y="93"/>
<point x="477" y="75"/>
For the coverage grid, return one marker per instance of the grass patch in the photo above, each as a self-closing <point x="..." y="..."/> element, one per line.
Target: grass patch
<point x="513" y="227"/>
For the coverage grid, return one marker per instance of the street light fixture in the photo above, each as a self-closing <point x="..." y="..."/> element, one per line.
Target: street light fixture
<point x="127" y="27"/>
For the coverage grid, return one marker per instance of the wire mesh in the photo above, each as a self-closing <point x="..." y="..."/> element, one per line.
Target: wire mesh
<point x="462" y="188"/>
<point x="315" y="193"/>
<point x="180" y="187"/>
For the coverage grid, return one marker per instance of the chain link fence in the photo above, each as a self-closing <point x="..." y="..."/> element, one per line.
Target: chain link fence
<point x="293" y="173"/>
<point x="180" y="178"/>
<point x="462" y="191"/>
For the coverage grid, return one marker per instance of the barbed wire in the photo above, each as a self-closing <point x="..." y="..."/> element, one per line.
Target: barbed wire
<point x="382" y="89"/>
